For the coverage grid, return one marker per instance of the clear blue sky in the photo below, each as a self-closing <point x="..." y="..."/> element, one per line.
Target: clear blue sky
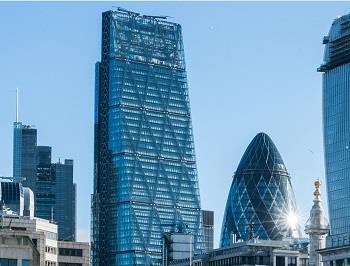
<point x="251" y="67"/>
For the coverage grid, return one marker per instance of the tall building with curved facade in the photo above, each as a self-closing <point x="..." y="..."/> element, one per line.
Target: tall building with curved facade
<point x="261" y="200"/>
<point x="145" y="182"/>
<point x="336" y="128"/>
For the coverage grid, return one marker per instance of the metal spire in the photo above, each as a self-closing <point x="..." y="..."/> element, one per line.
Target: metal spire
<point x="17" y="114"/>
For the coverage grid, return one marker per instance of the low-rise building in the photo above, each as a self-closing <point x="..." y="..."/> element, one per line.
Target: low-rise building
<point x="73" y="253"/>
<point x="335" y="256"/>
<point x="253" y="252"/>
<point x="17" y="250"/>
<point x="26" y="241"/>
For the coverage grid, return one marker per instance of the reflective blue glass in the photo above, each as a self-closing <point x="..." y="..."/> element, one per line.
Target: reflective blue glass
<point x="145" y="169"/>
<point x="336" y="127"/>
<point x="24" y="149"/>
<point x="11" y="194"/>
<point x="261" y="199"/>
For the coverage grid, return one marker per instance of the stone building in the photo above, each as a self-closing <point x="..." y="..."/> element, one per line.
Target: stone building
<point x="26" y="241"/>
<point x="253" y="252"/>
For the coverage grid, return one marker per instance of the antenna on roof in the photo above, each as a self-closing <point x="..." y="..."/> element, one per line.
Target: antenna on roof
<point x="17" y="114"/>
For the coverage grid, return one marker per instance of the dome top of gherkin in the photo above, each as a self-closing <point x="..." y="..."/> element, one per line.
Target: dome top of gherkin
<point x="261" y="155"/>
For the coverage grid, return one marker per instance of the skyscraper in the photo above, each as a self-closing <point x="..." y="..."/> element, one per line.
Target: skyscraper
<point x="45" y="181"/>
<point x="52" y="184"/>
<point x="145" y="181"/>
<point x="55" y="193"/>
<point x="24" y="153"/>
<point x="261" y="201"/>
<point x="336" y="128"/>
<point x="65" y="199"/>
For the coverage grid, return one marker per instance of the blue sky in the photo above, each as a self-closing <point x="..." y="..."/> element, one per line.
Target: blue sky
<point x="251" y="67"/>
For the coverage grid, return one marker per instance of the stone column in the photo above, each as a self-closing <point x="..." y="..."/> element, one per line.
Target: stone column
<point x="316" y="227"/>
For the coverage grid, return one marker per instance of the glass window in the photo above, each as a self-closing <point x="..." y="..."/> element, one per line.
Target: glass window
<point x="292" y="261"/>
<point x="280" y="261"/>
<point x="8" y="262"/>
<point x="25" y="263"/>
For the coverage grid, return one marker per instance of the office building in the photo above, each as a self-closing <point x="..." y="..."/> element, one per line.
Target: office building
<point x="177" y="246"/>
<point x="55" y="193"/>
<point x="255" y="252"/>
<point x="16" y="197"/>
<point x="24" y="153"/>
<point x="45" y="183"/>
<point x="208" y="229"/>
<point x="261" y="201"/>
<point x="51" y="183"/>
<point x="29" y="241"/>
<point x="65" y="204"/>
<point x="336" y="129"/>
<point x="145" y="181"/>
<point x="336" y="139"/>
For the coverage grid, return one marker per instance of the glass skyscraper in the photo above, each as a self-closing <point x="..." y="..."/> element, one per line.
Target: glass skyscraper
<point x="52" y="184"/>
<point x="145" y="181"/>
<point x="55" y="194"/>
<point x="261" y="202"/>
<point x="336" y="128"/>
<point x="24" y="153"/>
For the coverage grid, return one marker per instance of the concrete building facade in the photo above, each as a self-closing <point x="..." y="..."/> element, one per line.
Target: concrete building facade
<point x="252" y="252"/>
<point x="26" y="241"/>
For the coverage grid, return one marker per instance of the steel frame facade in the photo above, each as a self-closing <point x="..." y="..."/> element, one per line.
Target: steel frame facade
<point x="261" y="196"/>
<point x="145" y="181"/>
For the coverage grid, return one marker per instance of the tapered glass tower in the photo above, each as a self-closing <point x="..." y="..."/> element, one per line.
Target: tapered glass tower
<point x="261" y="202"/>
<point x="336" y="128"/>
<point x="145" y="180"/>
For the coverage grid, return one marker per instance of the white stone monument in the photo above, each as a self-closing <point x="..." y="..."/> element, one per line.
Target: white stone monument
<point x="316" y="227"/>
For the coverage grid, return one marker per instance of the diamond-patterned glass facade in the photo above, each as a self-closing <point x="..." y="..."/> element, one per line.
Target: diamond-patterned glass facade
<point x="336" y="128"/>
<point x="261" y="197"/>
<point x="145" y="181"/>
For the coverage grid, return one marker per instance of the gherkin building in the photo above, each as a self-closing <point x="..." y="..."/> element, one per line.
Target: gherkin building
<point x="261" y="202"/>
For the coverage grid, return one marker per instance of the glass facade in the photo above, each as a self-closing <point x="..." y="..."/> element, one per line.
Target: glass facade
<point x="336" y="128"/>
<point x="45" y="193"/>
<point x="24" y="150"/>
<point x="145" y="181"/>
<point x="208" y="229"/>
<point x="8" y="262"/>
<point x="55" y="193"/>
<point x="261" y="200"/>
<point x="65" y="204"/>
<point x="52" y="184"/>
<point x="11" y="194"/>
